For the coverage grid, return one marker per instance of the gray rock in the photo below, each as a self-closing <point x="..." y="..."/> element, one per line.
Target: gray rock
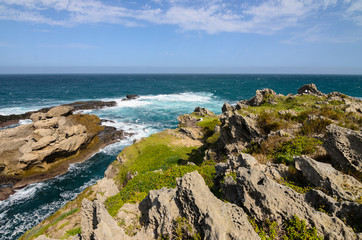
<point x="59" y="111"/>
<point x="262" y="197"/>
<point x="227" y="107"/>
<point x="238" y="131"/>
<point x="203" y="111"/>
<point x="214" y="218"/>
<point x="345" y="148"/>
<point x="351" y="212"/>
<point x="97" y="224"/>
<point x="310" y="89"/>
<point x="323" y="175"/>
<point x="260" y="97"/>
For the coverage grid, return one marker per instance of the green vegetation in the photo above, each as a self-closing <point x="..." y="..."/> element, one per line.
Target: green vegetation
<point x="36" y="232"/>
<point x="286" y="111"/>
<point x="283" y="149"/>
<point x="292" y="229"/>
<point x="297" y="229"/>
<point x="72" y="232"/>
<point x="284" y="152"/>
<point x="157" y="161"/>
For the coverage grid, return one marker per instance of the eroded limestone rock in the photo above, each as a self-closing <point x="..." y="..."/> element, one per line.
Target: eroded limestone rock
<point x="345" y="148"/>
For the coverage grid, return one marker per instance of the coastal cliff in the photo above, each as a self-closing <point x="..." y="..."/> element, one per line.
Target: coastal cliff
<point x="271" y="167"/>
<point x="44" y="149"/>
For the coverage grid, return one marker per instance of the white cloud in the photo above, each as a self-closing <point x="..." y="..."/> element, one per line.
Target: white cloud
<point x="209" y="16"/>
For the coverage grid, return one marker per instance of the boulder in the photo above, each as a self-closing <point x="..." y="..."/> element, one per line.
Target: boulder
<point x="261" y="96"/>
<point x="59" y="111"/>
<point x="71" y="144"/>
<point x="323" y="175"/>
<point x="37" y="116"/>
<point x="345" y="148"/>
<point x="310" y="89"/>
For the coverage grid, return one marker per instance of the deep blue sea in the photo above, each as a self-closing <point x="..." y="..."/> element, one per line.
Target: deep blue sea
<point x="162" y="99"/>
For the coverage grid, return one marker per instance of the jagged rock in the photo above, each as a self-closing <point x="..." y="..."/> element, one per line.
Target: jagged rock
<point x="325" y="176"/>
<point x="130" y="97"/>
<point x="213" y="218"/>
<point x="260" y="97"/>
<point x="345" y="148"/>
<point x="263" y="198"/>
<point x="351" y="212"/>
<point x="186" y="121"/>
<point x="227" y="107"/>
<point x="203" y="111"/>
<point x="97" y="224"/>
<point x="310" y="89"/>
<point x="238" y="131"/>
<point x="59" y="111"/>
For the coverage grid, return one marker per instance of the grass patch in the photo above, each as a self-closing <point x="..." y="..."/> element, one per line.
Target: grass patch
<point x="293" y="228"/>
<point x="72" y="232"/>
<point x="138" y="187"/>
<point x="300" y="145"/>
<point x="36" y="232"/>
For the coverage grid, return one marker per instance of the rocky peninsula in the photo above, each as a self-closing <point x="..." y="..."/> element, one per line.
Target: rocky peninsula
<point x="45" y="148"/>
<point x="271" y="167"/>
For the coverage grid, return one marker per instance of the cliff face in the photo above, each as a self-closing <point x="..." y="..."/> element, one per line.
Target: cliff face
<point x="272" y="167"/>
<point x="45" y="148"/>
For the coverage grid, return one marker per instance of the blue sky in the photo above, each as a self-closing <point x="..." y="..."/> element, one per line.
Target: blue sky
<point x="181" y="36"/>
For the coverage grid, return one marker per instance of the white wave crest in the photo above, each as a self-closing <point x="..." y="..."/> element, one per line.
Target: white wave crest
<point x="180" y="97"/>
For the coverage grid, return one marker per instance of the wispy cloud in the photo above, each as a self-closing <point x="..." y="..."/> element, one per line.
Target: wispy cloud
<point x="263" y="17"/>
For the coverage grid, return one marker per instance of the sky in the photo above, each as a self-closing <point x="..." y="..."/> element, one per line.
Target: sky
<point x="181" y="36"/>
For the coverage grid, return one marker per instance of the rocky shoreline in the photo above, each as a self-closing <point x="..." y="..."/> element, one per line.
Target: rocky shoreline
<point x="7" y="120"/>
<point x="271" y="167"/>
<point x="44" y="149"/>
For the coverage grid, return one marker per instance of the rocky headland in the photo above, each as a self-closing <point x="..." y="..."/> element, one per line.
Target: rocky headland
<point x="45" y="148"/>
<point x="271" y="167"/>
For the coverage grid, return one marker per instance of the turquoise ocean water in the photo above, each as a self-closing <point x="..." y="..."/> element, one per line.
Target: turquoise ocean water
<point x="162" y="99"/>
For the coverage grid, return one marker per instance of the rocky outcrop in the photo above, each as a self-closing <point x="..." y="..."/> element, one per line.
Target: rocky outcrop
<point x="260" y="196"/>
<point x="238" y="131"/>
<point x="323" y="175"/>
<point x="97" y="224"/>
<point x="310" y="89"/>
<point x="213" y="218"/>
<point x="39" y="150"/>
<point x="130" y="97"/>
<point x="261" y="96"/>
<point x="345" y="148"/>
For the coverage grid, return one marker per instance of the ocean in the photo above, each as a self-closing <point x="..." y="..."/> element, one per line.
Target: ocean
<point x="162" y="99"/>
